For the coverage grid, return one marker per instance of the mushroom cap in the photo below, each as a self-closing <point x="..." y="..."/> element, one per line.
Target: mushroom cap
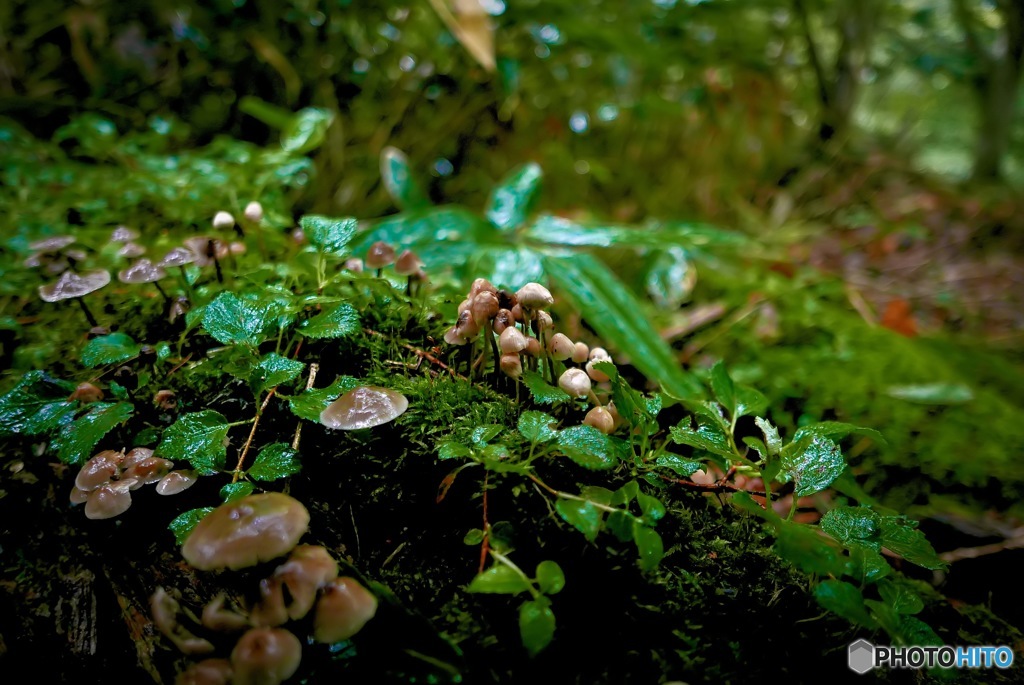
<point x="534" y="296"/>
<point x="99" y="469"/>
<point x="223" y="219"/>
<point x="51" y="244"/>
<point x="575" y="382"/>
<point x="123" y="234"/>
<point x="148" y="470"/>
<point x="407" y="263"/>
<point x="78" y="496"/>
<point x="364" y="407"/>
<point x="512" y="341"/>
<point x="502" y="320"/>
<point x="309" y="568"/>
<point x="601" y="419"/>
<point x="206" y="249"/>
<point x="86" y="392"/>
<point x="561" y="347"/>
<point x="142" y="271"/>
<point x="511" y="365"/>
<point x="220" y="618"/>
<point x="71" y="284"/>
<point x="484" y="307"/>
<point x="596" y="374"/>
<point x="131" y="250"/>
<point x="379" y="255"/>
<point x="178" y="256"/>
<point x="581" y="353"/>
<point x="270" y="610"/>
<point x="265" y="656"/>
<point x="109" y="500"/>
<point x="253" y="212"/>
<point x="246" y="531"/>
<point x="206" y="672"/>
<point x="343" y="609"/>
<point x="165" y="611"/>
<point x="452" y="337"/>
<point x="175" y="482"/>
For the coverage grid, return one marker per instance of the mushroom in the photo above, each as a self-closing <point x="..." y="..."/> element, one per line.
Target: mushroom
<point x="265" y="656"/>
<point x="575" y="382"/>
<point x="50" y="252"/>
<point x="131" y="250"/>
<point x="560" y="347"/>
<point x="74" y="286"/>
<point x="534" y="296"/>
<point x="101" y="468"/>
<point x="253" y="212"/>
<point x="148" y="470"/>
<point x="217" y="617"/>
<point x="270" y="611"/>
<point x="511" y="341"/>
<point x="208" y="251"/>
<point x="178" y="256"/>
<point x="86" y="393"/>
<point x="175" y="482"/>
<point x="581" y="353"/>
<point x="206" y="672"/>
<point x="355" y="265"/>
<point x="408" y="264"/>
<point x="364" y="407"/>
<point x="601" y="419"/>
<point x="222" y="220"/>
<point x="123" y="234"/>
<point x="144" y="271"/>
<point x="502" y="320"/>
<point x="109" y="500"/>
<point x="511" y="364"/>
<point x="380" y="254"/>
<point x="246" y="531"/>
<point x="343" y="609"/>
<point x="165" y="610"/>
<point x="309" y="568"/>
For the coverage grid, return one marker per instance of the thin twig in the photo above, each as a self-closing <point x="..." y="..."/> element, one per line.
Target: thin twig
<point x="715" y="487"/>
<point x="313" y="368"/>
<point x="252" y="434"/>
<point x="485" y="546"/>
<point x="420" y="353"/>
<point x="1016" y="542"/>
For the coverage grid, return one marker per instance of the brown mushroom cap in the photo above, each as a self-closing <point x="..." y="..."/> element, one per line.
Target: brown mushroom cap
<point x="109" y="500"/>
<point x="379" y="255"/>
<point x="205" y="249"/>
<point x="343" y="609"/>
<point x="407" y="263"/>
<point x="246" y="531"/>
<point x="265" y="656"/>
<point x="71" y="284"/>
<point x="148" y="470"/>
<point x="364" y="407"/>
<point x="131" y="250"/>
<point x="206" y="672"/>
<point x="142" y="271"/>
<point x="534" y="296"/>
<point x="78" y="496"/>
<point x="175" y="482"/>
<point x="100" y="469"/>
<point x="270" y="610"/>
<point x="308" y="569"/>
<point x="178" y="256"/>
<point x="86" y="392"/>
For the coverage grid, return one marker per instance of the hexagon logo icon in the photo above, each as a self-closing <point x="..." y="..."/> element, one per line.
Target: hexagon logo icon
<point x="861" y="656"/>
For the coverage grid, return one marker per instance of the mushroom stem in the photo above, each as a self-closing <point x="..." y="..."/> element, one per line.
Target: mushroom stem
<point x="494" y="348"/>
<point x="161" y="290"/>
<point x="216" y="264"/>
<point x="85" y="310"/>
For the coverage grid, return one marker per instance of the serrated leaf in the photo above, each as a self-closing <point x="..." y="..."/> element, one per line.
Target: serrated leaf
<point x="37" y="404"/>
<point x="306" y="129"/>
<point x="554" y="230"/>
<point x="684" y="467"/>
<point x="845" y="600"/>
<point x="584" y="516"/>
<point x="340" y="321"/>
<point x="837" y="430"/>
<point x="109" y="349"/>
<point x="626" y="494"/>
<point x="183" y="524"/>
<point x="331" y="236"/>
<point x="900" y="535"/>
<point x="482" y="435"/>
<point x="607" y="304"/>
<point x="708" y="412"/>
<point x="232" y="320"/>
<point x="199" y="439"/>
<point x="233" y="491"/>
<point x="853" y="525"/>
<point x="512" y="199"/>
<point x="273" y="370"/>
<point x="649" y="545"/>
<point x="76" y="440"/>
<point x="866" y="565"/>
<point x="452" y="450"/>
<point x="589" y="447"/>
<point x="813" y="463"/>
<point x="276" y="460"/>
<point x="536" y="624"/>
<point x="771" y="436"/>
<point x="749" y="401"/>
<point x="550" y="577"/>
<point x="803" y="547"/>
<point x="706" y="438"/>
<point x="900" y="596"/>
<point x="499" y="579"/>
<point x="722" y="386"/>
<point x="542" y="391"/>
<point x="537" y="427"/>
<point x="398" y="180"/>
<point x="310" y="403"/>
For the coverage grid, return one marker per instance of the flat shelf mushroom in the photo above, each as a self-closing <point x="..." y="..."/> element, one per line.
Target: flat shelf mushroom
<point x="364" y="407"/>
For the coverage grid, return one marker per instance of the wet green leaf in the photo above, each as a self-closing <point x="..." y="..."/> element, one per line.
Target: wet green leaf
<point x="722" y="386"/>
<point x="651" y="507"/>
<point x="306" y="129"/>
<point x="512" y="199"/>
<point x="475" y="536"/>
<point x="536" y="624"/>
<point x="232" y="320"/>
<point x="482" y="435"/>
<point x="339" y="321"/>
<point x="836" y="430"/>
<point x="537" y="427"/>
<point x="682" y="466"/>
<point x="183" y="524"/>
<point x="595" y="493"/>
<point x="273" y="370"/>
<point x="76" y="440"/>
<point x="608" y="305"/>
<point x="620" y="524"/>
<point x="803" y="547"/>
<point x="452" y="450"/>
<point x="771" y="436"/>
<point x="199" y="439"/>
<point x="233" y="491"/>
<point x="37" y="404"/>
<point x="553" y="230"/>
<point x="900" y="596"/>
<point x="509" y="268"/>
<point x="900" y="535"/>
<point x="813" y="462"/>
<point x="671" y="278"/>
<point x="706" y="438"/>
<point x="499" y="579"/>
<point x="274" y="461"/>
<point x="649" y="545"/>
<point x="310" y="403"/>
<point x="109" y="349"/>
<point x="749" y="401"/>
<point x="550" y="577"/>
<point x="328" y="235"/>
<point x="866" y="565"/>
<point x="845" y="600"/>
<point x="589" y="447"/>
<point x="398" y="180"/>
<point x="542" y="391"/>
<point x="853" y="524"/>
<point x="584" y="516"/>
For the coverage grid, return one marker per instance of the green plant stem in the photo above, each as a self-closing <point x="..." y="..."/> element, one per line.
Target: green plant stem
<point x="502" y="559"/>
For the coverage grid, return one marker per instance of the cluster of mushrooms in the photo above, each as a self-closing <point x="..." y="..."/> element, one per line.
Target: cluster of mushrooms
<point x="106" y="480"/>
<point x="243" y="533"/>
<point x="56" y="255"/>
<point x="382" y="254"/>
<point x="525" y="333"/>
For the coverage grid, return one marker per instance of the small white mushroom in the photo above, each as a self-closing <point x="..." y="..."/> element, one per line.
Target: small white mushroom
<point x="364" y="407"/>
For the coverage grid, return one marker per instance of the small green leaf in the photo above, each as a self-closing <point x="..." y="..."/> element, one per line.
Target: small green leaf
<point x="836" y="430"/>
<point x="813" y="462"/>
<point x="273" y="370"/>
<point x="398" y="180"/>
<point x="626" y="494"/>
<point x="183" y="524"/>
<point x="771" y="436"/>
<point x="900" y="535"/>
<point x="537" y="427"/>
<point x="452" y="450"/>
<point x="671" y="278"/>
<point x="550" y="577"/>
<point x="340" y="321"/>
<point x="233" y="491"/>
<point x="589" y="447"/>
<point x="684" y="467"/>
<point x="749" y="401"/>
<point x="163" y="351"/>
<point x="482" y="435"/>
<point x="845" y="600"/>
<point x="803" y="547"/>
<point x="707" y="438"/>
<point x="199" y="439"/>
<point x="306" y="129"/>
<point x="36" y="405"/>
<point x="232" y="320"/>
<point x="900" y="596"/>
<point x="853" y="525"/>
<point x="932" y="393"/>
<point x="76" y="440"/>
<point x="620" y="524"/>
<point x="649" y="545"/>
<point x="109" y="349"/>
<point x="595" y="493"/>
<point x="866" y="565"/>
<point x="722" y="386"/>
<point x="328" y="235"/>
<point x="499" y="579"/>
<point x="308" y="404"/>
<point x="583" y="515"/>
<point x="475" y="536"/>
<point x="512" y="199"/>
<point x="651" y="507"/>
<point x="536" y="624"/>
<point x="542" y="391"/>
<point x="274" y="461"/>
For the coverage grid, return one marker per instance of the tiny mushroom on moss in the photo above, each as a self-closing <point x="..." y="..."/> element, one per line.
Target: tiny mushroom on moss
<point x="379" y="255"/>
<point x="560" y="347"/>
<point x="223" y="220"/>
<point x="364" y="407"/>
<point x="265" y="656"/>
<point x="74" y="286"/>
<point x="342" y="610"/>
<point x="246" y="531"/>
<point x="123" y="234"/>
<point x="581" y="353"/>
<point x="99" y="469"/>
<point x="253" y="212"/>
<point x="144" y="271"/>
